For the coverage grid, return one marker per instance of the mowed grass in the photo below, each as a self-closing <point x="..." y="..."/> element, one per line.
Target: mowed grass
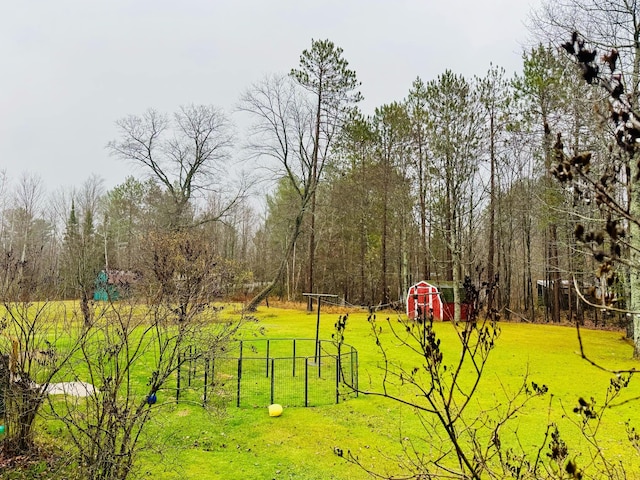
<point x="189" y="442"/>
<point x="186" y="441"/>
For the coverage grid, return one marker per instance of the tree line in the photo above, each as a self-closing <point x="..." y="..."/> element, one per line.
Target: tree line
<point x="452" y="180"/>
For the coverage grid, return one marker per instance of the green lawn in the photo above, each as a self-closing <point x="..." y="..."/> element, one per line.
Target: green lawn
<point x="240" y="443"/>
<point x="186" y="441"/>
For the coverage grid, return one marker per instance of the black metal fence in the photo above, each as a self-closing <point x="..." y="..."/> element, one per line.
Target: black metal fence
<point x="260" y="372"/>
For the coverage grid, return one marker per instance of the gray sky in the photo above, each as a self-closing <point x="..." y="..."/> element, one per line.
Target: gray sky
<point x="71" y="68"/>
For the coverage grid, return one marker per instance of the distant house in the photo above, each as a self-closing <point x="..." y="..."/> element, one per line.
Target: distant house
<point x="114" y="284"/>
<point x="590" y="296"/>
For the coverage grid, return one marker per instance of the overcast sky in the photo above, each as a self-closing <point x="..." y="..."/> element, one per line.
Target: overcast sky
<point x="71" y="68"/>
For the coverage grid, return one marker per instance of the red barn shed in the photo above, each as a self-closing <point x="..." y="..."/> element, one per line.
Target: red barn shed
<point x="424" y="297"/>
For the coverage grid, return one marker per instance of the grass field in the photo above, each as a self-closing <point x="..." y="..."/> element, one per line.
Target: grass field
<point x="241" y="443"/>
<point x="186" y="441"/>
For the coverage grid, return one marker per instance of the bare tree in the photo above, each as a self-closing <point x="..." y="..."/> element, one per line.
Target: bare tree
<point x="29" y="194"/>
<point x="614" y="242"/>
<point x="281" y="138"/>
<point x="495" y="97"/>
<point x="543" y="101"/>
<point x="185" y="154"/>
<point x="439" y="376"/>
<point x="133" y="347"/>
<point x="613" y="26"/>
<point x="605" y="24"/>
<point x="32" y="356"/>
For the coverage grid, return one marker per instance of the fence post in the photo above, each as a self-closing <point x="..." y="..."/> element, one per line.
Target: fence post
<point x="190" y="366"/>
<point x="306" y="381"/>
<point x="351" y="359"/>
<point x="213" y="370"/>
<point x="268" y="348"/>
<point x="239" y="377"/>
<point x="178" y="380"/>
<point x="338" y="378"/>
<point x="354" y="353"/>
<point x="206" y="371"/>
<point x="273" y="383"/>
<point x="294" y="357"/>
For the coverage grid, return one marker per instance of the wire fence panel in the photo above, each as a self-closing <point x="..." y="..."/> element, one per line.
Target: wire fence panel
<point x="258" y="373"/>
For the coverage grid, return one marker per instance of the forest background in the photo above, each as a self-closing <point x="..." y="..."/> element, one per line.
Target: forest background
<point x="452" y="180"/>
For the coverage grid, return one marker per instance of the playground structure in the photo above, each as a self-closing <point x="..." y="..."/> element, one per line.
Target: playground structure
<point x="261" y="372"/>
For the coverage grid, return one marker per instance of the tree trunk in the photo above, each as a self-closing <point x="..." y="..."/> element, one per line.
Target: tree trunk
<point x="455" y="256"/>
<point x="634" y="274"/>
<point x="492" y="219"/>
<point x="634" y="207"/>
<point x="383" y="253"/>
<point x="264" y="293"/>
<point x="553" y="265"/>
<point x="314" y="180"/>
<point x="554" y="272"/>
<point x="312" y="245"/>
<point x="449" y="227"/>
<point x="423" y="216"/>
<point x="530" y="305"/>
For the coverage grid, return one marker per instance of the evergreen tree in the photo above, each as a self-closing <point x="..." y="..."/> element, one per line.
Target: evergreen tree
<point x="455" y="133"/>
<point x="325" y="74"/>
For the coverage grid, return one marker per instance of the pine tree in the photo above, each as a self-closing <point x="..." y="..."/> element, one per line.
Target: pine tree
<point x="325" y="74"/>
